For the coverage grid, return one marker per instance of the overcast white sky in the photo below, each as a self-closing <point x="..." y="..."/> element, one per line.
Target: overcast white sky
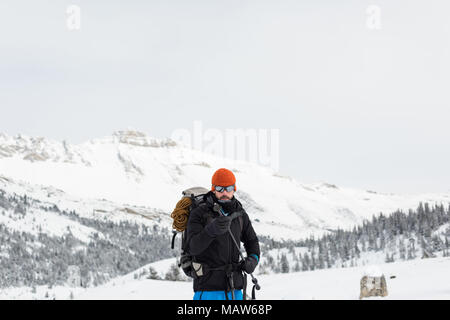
<point x="355" y="107"/>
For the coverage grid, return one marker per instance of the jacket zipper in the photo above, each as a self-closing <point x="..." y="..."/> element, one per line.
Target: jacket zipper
<point x="229" y="245"/>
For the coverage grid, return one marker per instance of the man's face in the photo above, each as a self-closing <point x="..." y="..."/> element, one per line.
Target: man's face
<point x="225" y="195"/>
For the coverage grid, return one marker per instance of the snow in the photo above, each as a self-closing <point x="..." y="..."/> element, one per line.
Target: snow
<point x="419" y="279"/>
<point x="110" y="177"/>
<point x="129" y="168"/>
<point x="373" y="271"/>
<point x="426" y="279"/>
<point x="51" y="223"/>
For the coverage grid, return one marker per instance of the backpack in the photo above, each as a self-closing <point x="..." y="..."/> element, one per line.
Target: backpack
<point x="191" y="199"/>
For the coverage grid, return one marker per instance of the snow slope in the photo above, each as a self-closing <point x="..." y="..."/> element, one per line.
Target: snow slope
<point x="130" y="168"/>
<point x="418" y="279"/>
<point x="40" y="220"/>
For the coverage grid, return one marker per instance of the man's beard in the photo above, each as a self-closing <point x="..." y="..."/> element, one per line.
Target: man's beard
<point x="224" y="199"/>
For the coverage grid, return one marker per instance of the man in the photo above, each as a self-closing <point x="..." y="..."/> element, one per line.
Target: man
<point x="212" y="246"/>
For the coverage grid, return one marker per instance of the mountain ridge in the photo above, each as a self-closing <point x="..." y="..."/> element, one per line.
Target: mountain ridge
<point x="132" y="168"/>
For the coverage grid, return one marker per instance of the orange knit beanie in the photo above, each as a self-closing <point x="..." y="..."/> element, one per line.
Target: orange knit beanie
<point x="224" y="178"/>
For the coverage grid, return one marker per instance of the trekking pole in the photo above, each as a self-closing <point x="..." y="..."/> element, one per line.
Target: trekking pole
<point x="254" y="280"/>
<point x="219" y="210"/>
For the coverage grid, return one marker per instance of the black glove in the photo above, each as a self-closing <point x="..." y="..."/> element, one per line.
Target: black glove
<point x="249" y="264"/>
<point x="218" y="226"/>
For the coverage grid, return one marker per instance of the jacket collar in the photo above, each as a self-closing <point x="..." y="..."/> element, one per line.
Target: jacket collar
<point x="233" y="206"/>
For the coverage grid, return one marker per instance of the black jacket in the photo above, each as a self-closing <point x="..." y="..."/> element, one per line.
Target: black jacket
<point x="216" y="252"/>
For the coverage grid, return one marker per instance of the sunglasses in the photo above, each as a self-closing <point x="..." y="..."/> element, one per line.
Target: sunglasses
<point x="222" y="189"/>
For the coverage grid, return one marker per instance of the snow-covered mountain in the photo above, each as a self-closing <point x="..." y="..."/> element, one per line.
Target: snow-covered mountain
<point x="131" y="169"/>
